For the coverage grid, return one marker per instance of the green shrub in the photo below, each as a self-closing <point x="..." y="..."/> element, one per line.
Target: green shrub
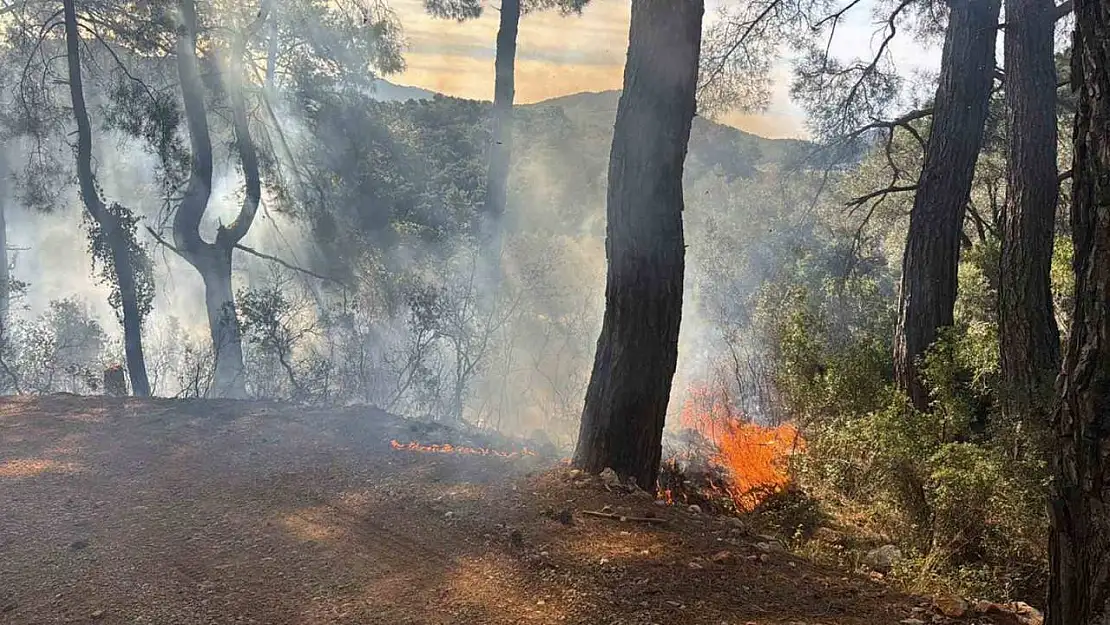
<point x="958" y="487"/>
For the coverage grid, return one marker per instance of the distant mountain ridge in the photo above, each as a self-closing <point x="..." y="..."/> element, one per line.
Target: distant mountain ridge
<point x="386" y="91"/>
<point x="713" y="143"/>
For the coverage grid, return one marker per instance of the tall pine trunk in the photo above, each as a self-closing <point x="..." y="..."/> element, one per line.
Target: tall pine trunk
<point x="213" y="260"/>
<point x="109" y="222"/>
<point x="1079" y="546"/>
<point x="1030" y="339"/>
<point x="927" y="297"/>
<point x="501" y="136"/>
<point x="626" y="401"/>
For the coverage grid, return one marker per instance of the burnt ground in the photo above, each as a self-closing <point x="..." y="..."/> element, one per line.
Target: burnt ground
<point x="190" y="512"/>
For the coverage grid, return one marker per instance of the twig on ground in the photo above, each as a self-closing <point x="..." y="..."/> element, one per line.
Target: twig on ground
<point x="622" y="518"/>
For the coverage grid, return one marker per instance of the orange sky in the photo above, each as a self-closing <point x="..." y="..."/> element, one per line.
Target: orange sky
<point x="555" y="56"/>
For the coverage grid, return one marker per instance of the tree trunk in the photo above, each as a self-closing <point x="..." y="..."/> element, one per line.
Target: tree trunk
<point x="213" y="260"/>
<point x="5" y="275"/>
<point x="927" y="296"/>
<point x="1030" y="339"/>
<point x="626" y="402"/>
<point x="1079" y="546"/>
<point x="131" y="312"/>
<point x="501" y="136"/>
<point x="229" y="378"/>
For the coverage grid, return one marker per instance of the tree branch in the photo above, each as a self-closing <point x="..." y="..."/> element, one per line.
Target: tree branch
<point x="881" y="193"/>
<point x="288" y="265"/>
<point x="720" y="67"/>
<point x="253" y="252"/>
<point x="835" y="17"/>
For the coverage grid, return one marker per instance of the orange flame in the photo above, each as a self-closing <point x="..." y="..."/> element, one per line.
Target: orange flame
<point x="452" y="449"/>
<point x="754" y="456"/>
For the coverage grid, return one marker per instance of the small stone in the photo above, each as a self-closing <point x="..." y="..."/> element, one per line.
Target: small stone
<point x="660" y="502"/>
<point x="982" y="607"/>
<point x="575" y="474"/>
<point x="541" y="602"/>
<point x="951" y="606"/>
<point x="771" y="547"/>
<point x="610" y="478"/>
<point x="724" y="557"/>
<point x="694" y="508"/>
<point x="882" y="560"/>
<point x="98" y="613"/>
<point x="604" y="561"/>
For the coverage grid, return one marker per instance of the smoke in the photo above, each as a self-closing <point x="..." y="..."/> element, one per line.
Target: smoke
<point x="415" y="328"/>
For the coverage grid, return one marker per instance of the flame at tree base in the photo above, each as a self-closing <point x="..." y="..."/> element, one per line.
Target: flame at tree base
<point x="739" y="461"/>
<point x="448" y="448"/>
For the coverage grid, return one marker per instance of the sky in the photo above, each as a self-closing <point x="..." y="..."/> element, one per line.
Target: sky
<point x="562" y="55"/>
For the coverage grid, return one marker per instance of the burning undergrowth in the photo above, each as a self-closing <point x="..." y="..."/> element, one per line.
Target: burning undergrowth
<point x="720" y="461"/>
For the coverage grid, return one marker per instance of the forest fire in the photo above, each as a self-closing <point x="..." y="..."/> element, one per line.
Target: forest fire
<point x="740" y="461"/>
<point x="448" y="448"/>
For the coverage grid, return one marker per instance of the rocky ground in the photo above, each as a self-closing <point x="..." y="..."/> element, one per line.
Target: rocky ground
<point x="190" y="512"/>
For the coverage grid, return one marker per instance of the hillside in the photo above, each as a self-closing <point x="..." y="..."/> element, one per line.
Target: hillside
<point x="712" y="145"/>
<point x="391" y="92"/>
<point x="188" y="512"/>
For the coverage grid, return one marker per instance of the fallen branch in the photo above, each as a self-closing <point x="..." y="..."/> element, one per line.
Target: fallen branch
<point x="622" y="518"/>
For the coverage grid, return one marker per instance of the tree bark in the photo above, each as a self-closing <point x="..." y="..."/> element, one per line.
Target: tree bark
<point x="109" y="223"/>
<point x="1079" y="504"/>
<point x="927" y="296"/>
<point x="626" y="401"/>
<point x="5" y="274"/>
<point x="213" y="260"/>
<point x="501" y="136"/>
<point x="1030" y="339"/>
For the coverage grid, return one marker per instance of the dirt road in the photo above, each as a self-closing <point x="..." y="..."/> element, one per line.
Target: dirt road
<point x="180" y="513"/>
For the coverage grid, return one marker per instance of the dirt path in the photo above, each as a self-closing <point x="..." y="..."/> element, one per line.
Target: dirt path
<point x="180" y="513"/>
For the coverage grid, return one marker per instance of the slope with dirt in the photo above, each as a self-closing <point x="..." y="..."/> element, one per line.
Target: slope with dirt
<point x="191" y="512"/>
